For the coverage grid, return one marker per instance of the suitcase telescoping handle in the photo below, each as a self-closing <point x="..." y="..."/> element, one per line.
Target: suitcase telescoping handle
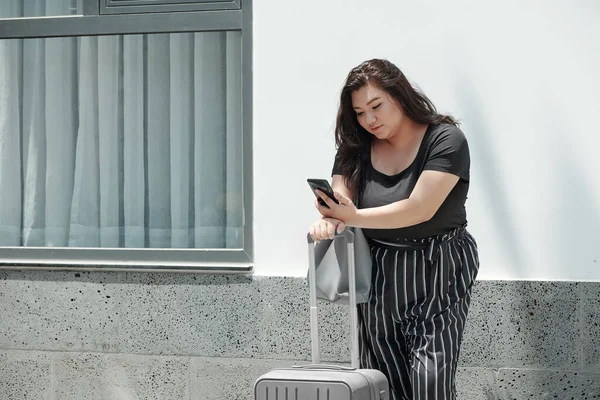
<point x="314" y="324"/>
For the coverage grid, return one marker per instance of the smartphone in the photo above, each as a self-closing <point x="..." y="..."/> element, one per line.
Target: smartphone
<point x="323" y="186"/>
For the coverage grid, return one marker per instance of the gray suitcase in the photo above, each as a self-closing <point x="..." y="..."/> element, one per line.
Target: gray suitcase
<point x="325" y="382"/>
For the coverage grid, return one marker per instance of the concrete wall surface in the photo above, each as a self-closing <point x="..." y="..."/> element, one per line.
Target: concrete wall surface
<point x="79" y="336"/>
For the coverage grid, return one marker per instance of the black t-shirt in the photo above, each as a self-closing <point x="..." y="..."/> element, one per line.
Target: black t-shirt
<point x="443" y="148"/>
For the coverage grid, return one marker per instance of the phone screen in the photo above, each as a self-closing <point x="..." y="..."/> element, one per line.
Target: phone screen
<point x="323" y="186"/>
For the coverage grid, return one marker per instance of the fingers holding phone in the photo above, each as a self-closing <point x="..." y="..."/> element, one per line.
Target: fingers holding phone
<point x="330" y="204"/>
<point x="322" y="185"/>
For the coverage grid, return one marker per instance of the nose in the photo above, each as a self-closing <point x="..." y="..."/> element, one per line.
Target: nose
<point x="371" y="118"/>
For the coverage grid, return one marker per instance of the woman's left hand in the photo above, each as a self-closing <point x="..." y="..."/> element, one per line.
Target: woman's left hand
<point x="345" y="211"/>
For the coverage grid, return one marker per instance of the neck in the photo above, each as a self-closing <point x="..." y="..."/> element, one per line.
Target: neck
<point x="407" y="133"/>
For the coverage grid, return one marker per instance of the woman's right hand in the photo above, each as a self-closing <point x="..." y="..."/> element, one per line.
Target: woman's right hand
<point x="325" y="228"/>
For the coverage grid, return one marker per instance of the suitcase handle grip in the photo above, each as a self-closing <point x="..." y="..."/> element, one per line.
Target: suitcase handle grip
<point x="347" y="233"/>
<point x="325" y="366"/>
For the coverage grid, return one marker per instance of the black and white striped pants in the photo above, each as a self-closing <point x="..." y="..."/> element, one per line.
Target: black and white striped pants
<point x="412" y="326"/>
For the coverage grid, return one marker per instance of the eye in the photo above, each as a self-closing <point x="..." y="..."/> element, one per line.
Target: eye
<point x="377" y="106"/>
<point x="358" y="114"/>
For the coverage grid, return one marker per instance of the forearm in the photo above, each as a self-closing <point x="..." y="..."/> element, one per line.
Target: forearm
<point x="339" y="185"/>
<point x="399" y="214"/>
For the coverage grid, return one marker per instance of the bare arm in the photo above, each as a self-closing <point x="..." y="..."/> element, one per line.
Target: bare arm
<point x="338" y="185"/>
<point x="429" y="193"/>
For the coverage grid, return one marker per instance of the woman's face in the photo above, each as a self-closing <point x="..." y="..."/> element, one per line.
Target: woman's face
<point x="377" y="112"/>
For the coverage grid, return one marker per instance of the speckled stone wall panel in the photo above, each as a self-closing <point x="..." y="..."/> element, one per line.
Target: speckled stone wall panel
<point x="283" y="318"/>
<point x="478" y="348"/>
<point x="190" y="314"/>
<point x="509" y="324"/>
<point x="24" y="375"/>
<point x="232" y="379"/>
<point x="334" y="332"/>
<point x="286" y="323"/>
<point x="534" y="324"/>
<point x="93" y="376"/>
<point x="517" y="384"/>
<point x="590" y="332"/>
<point x="476" y="384"/>
<point x="64" y="313"/>
<point x="512" y="324"/>
<point x="130" y="313"/>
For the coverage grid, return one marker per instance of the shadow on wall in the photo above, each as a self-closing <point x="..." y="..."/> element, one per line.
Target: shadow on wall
<point x="578" y="217"/>
<point x="495" y="194"/>
<point x="572" y="241"/>
<point x="577" y="213"/>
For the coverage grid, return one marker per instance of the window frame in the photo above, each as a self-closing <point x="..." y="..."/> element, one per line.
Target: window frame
<point x="152" y="6"/>
<point x="92" y="23"/>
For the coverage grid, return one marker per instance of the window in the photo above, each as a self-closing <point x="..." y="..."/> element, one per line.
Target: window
<point x="125" y="135"/>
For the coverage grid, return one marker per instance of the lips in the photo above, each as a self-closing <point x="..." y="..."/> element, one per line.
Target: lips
<point x="376" y="128"/>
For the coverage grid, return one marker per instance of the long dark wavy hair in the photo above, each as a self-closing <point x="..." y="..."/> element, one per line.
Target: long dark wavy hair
<point x="352" y="140"/>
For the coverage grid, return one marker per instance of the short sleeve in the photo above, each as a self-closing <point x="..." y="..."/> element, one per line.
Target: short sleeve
<point x="336" y="170"/>
<point x="449" y="152"/>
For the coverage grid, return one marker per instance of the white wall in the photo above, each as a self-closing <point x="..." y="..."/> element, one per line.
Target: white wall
<point x="524" y="79"/>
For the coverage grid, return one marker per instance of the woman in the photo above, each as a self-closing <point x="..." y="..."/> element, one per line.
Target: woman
<point x="408" y="168"/>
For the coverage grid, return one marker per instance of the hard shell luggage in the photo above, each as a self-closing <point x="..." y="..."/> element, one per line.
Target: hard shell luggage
<point x="325" y="382"/>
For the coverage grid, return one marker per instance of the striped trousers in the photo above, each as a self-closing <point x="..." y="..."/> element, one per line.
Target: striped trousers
<point x="411" y="327"/>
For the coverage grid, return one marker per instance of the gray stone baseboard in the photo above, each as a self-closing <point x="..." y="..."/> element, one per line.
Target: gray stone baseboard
<point x="100" y="376"/>
<point x="66" y="335"/>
